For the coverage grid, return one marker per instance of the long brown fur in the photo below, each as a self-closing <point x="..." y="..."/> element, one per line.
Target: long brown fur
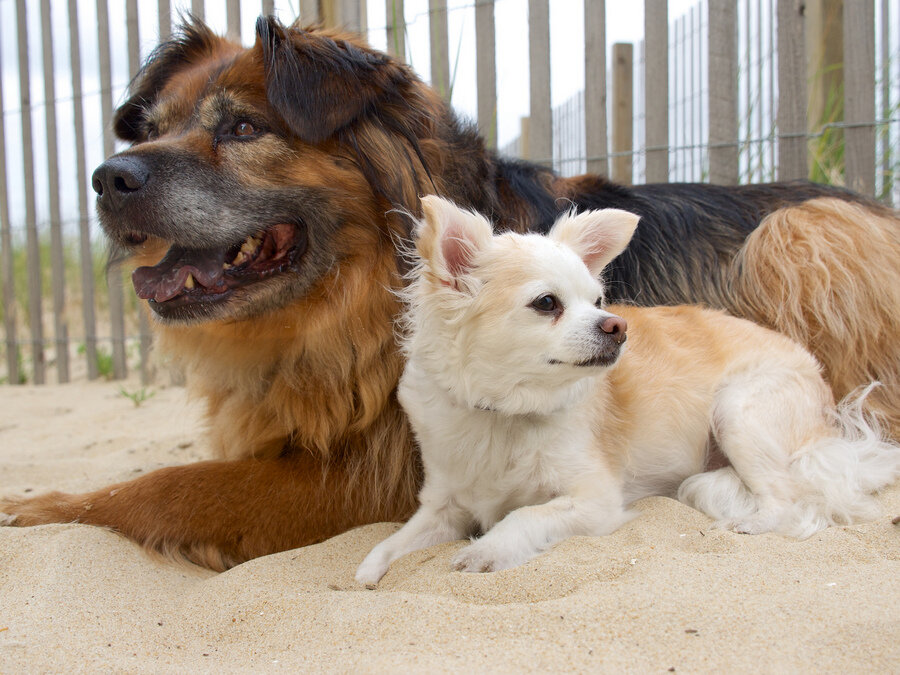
<point x="826" y="274"/>
<point x="300" y="385"/>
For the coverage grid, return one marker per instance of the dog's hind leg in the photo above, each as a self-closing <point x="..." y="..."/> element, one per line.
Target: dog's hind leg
<point x="220" y="513"/>
<point x="760" y="418"/>
<point x="827" y="274"/>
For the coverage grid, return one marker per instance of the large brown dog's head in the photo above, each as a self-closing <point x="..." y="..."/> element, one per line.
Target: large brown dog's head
<point x="250" y="168"/>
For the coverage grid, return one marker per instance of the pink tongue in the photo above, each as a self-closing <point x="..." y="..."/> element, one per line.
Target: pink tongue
<point x="166" y="279"/>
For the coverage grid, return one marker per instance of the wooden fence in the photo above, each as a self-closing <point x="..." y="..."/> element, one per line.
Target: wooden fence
<point x="733" y="90"/>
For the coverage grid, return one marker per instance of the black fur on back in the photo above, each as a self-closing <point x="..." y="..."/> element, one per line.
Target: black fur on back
<point x="687" y="237"/>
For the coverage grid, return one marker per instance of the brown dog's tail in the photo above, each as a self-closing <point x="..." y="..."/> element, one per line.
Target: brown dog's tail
<point x="827" y="273"/>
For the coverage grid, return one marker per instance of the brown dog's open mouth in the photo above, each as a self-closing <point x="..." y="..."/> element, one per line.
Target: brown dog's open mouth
<point x="187" y="276"/>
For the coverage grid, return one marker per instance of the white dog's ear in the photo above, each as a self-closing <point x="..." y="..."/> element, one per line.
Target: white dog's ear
<point x="596" y="236"/>
<point x="448" y="238"/>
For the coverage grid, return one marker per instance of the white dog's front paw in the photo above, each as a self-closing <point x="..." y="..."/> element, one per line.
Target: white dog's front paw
<point x="371" y="569"/>
<point x="484" y="556"/>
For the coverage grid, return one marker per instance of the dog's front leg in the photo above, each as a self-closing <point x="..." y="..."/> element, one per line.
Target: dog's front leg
<point x="529" y="530"/>
<point x="431" y="525"/>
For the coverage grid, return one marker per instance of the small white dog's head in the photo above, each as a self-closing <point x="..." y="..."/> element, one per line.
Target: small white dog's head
<point x="512" y="322"/>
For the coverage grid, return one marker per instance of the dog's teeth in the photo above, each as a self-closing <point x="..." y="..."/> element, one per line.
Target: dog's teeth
<point x="189" y="282"/>
<point x="250" y="245"/>
<point x="239" y="258"/>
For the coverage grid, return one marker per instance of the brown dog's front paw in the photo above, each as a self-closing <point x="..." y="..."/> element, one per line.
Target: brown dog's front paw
<point x="54" y="507"/>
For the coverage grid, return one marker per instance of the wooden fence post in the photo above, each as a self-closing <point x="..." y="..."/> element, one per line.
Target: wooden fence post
<point x="440" y="53"/>
<point x="596" y="147"/>
<point x="622" y="112"/>
<point x="164" y="12"/>
<point x="486" y="76"/>
<point x="197" y="9"/>
<point x="541" y="115"/>
<point x="35" y="304"/>
<point x="349" y="14"/>
<point x="57" y="262"/>
<point x="134" y="65"/>
<point x="233" y="20"/>
<point x="9" y="291"/>
<point x="656" y="89"/>
<point x="88" y="296"/>
<point x="310" y="12"/>
<point x="268" y="7"/>
<point x="886" y="169"/>
<point x="113" y="275"/>
<point x="723" y="72"/>
<point x="396" y="28"/>
<point x="859" y="95"/>
<point x="792" y="145"/>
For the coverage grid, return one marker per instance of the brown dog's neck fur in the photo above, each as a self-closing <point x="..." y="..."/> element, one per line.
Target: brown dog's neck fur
<point x="320" y="377"/>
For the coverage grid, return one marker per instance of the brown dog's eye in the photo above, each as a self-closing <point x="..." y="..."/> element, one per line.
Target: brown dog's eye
<point x="244" y="129"/>
<point x="546" y="303"/>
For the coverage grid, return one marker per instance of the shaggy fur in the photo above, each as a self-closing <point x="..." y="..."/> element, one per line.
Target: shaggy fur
<point x="261" y="203"/>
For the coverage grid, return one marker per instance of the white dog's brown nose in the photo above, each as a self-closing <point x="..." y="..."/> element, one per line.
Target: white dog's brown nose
<point x="615" y="327"/>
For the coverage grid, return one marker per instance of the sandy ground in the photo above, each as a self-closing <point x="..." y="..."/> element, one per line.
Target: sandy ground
<point x="665" y="593"/>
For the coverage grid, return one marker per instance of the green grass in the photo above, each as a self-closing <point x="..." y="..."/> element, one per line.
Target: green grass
<point x="139" y="396"/>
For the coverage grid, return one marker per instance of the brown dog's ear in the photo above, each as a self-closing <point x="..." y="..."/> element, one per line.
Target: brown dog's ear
<point x="193" y="40"/>
<point x="318" y="84"/>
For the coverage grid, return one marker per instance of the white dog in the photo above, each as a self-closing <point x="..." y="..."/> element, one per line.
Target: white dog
<point x="537" y="423"/>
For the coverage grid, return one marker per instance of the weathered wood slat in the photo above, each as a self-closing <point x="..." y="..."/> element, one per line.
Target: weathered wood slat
<point x="164" y="12"/>
<point x="595" y="138"/>
<point x="656" y="89"/>
<point x="233" y="19"/>
<point x="622" y="111"/>
<point x="486" y="74"/>
<point x="440" y="53"/>
<point x="33" y="253"/>
<point x="113" y="276"/>
<point x="723" y="118"/>
<point x="57" y="262"/>
<point x="792" y="146"/>
<point x="541" y="143"/>
<point x="9" y="291"/>
<point x="885" y="96"/>
<point x="84" y="227"/>
<point x="309" y="11"/>
<point x="859" y="94"/>
<point x="395" y="21"/>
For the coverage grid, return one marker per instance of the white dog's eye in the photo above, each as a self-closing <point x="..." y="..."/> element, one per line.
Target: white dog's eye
<point x="546" y="303"/>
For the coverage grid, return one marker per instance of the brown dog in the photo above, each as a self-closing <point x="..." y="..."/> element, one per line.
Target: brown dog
<point x="261" y="203"/>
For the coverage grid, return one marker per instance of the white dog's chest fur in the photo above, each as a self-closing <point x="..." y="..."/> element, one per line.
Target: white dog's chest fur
<point x="492" y="463"/>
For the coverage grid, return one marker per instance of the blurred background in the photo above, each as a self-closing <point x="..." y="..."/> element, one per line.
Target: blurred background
<point x="724" y="91"/>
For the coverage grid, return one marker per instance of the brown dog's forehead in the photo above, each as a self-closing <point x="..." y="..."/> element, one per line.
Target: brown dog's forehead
<point x="230" y="78"/>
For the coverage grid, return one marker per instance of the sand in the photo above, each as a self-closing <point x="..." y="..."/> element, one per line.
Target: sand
<point x="664" y="593"/>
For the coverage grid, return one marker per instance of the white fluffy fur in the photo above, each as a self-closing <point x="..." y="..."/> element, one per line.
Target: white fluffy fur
<point x="535" y="426"/>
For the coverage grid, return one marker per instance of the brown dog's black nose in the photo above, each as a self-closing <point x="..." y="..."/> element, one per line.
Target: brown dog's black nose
<point x="118" y="179"/>
<point x="615" y="327"/>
